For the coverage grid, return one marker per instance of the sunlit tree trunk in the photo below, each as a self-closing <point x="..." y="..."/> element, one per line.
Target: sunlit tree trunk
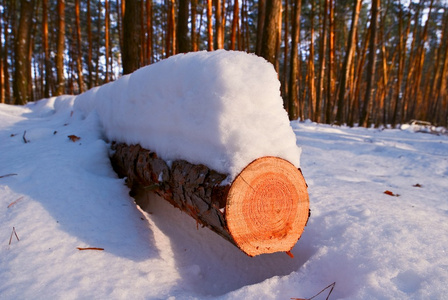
<point x="330" y="72"/>
<point x="194" y="40"/>
<point x="322" y="62"/>
<point x="219" y="25"/>
<point x="209" y="25"/>
<point x="311" y="73"/>
<point x="235" y="22"/>
<point x="345" y="72"/>
<point x="60" y="88"/>
<point x="293" y="103"/>
<point x="285" y="78"/>
<point x="170" y="42"/>
<point x="368" y="101"/>
<point x="106" y="38"/>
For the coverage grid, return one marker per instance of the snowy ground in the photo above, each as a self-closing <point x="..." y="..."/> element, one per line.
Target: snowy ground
<point x="63" y="194"/>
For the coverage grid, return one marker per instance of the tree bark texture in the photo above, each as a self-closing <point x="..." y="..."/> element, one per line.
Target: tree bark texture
<point x="130" y="37"/>
<point x="22" y="61"/>
<point x="293" y="109"/>
<point x="270" y="31"/>
<point x="60" y="89"/>
<point x="183" y="43"/>
<point x="264" y="210"/>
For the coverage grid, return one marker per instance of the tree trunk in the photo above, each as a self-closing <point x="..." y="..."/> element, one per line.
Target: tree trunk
<point x="209" y="25"/>
<point x="89" y="48"/>
<point x="22" y="61"/>
<point x="149" y="32"/>
<point x="60" y="89"/>
<point x="322" y="62"/>
<point x="235" y="22"/>
<point x="347" y="63"/>
<point x="368" y="102"/>
<point x="293" y="105"/>
<point x="131" y="37"/>
<point x="194" y="41"/>
<point x="270" y="32"/>
<point x="260" y="25"/>
<point x="311" y="73"/>
<point x="183" y="44"/>
<point x="2" y="78"/>
<point x="79" y="48"/>
<point x="331" y="54"/>
<point x="219" y="25"/>
<point x="264" y="210"/>
<point x="9" y="17"/>
<point x="46" y="50"/>
<point x="106" y="38"/>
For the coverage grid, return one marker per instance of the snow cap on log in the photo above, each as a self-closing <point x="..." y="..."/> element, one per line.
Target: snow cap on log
<point x="222" y="109"/>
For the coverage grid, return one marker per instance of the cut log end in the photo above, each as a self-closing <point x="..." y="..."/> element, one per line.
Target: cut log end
<point x="267" y="206"/>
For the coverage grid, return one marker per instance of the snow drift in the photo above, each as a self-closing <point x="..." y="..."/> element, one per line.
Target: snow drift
<point x="222" y="109"/>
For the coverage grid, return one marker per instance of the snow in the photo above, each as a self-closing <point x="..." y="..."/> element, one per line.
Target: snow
<point x="222" y="109"/>
<point x="61" y="195"/>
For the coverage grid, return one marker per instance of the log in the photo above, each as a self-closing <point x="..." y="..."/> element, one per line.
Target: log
<point x="263" y="210"/>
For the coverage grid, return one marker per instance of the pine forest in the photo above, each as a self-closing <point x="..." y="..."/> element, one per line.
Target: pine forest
<point x="354" y="62"/>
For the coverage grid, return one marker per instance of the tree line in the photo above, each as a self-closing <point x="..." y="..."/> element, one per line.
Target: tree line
<point x="368" y="63"/>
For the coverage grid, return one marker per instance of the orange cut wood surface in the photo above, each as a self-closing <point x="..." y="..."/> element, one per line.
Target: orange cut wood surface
<point x="267" y="206"/>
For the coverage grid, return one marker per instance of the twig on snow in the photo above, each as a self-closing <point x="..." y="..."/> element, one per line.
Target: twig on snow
<point x="14" y="202"/>
<point x="24" y="138"/>
<point x="328" y="296"/>
<point x="15" y="233"/>
<point x="90" y="248"/>
<point x="7" y="175"/>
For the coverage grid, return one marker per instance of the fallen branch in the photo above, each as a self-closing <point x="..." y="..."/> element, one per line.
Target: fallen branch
<point x="328" y="296"/>
<point x="90" y="248"/>
<point x="24" y="138"/>
<point x="7" y="175"/>
<point x="15" y="233"/>
<point x="14" y="202"/>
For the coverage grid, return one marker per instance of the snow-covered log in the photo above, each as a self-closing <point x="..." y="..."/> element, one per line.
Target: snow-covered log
<point x="210" y="134"/>
<point x="264" y="210"/>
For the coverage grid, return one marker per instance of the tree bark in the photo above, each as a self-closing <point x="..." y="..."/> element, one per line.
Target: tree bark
<point x="79" y="48"/>
<point x="322" y="62"/>
<point x="183" y="44"/>
<point x="22" y="61"/>
<point x="131" y="37"/>
<point x="209" y="25"/>
<point x="340" y="116"/>
<point x="368" y="101"/>
<point x="106" y="37"/>
<point x="194" y="40"/>
<point x="270" y="31"/>
<point x="260" y="25"/>
<point x="311" y="72"/>
<point x="235" y="22"/>
<point x="264" y="210"/>
<point x="331" y="54"/>
<point x="293" y="104"/>
<point x="219" y="25"/>
<point x="149" y="32"/>
<point x="60" y="89"/>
